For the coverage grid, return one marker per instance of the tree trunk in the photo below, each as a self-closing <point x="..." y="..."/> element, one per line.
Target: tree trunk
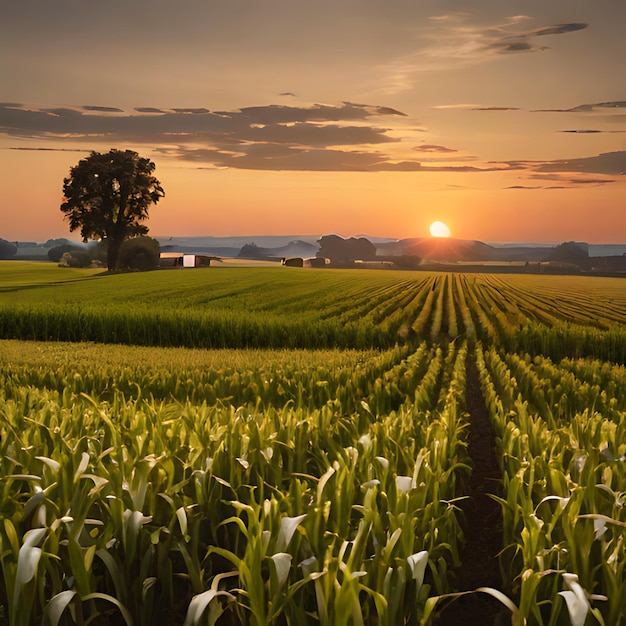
<point x="113" y="253"/>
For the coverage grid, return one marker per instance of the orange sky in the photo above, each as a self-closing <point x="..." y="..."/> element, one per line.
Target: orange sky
<point x="507" y="122"/>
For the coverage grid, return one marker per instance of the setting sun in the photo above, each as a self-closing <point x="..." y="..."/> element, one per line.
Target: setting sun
<point x="439" y="229"/>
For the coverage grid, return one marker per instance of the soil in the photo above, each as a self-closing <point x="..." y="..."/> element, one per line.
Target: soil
<point x="481" y="521"/>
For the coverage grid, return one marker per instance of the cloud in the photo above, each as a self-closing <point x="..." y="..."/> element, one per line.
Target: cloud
<point x="587" y="108"/>
<point x="564" y="182"/>
<point x="520" y="45"/>
<point x="559" y="29"/>
<point x="519" y="18"/>
<point x="608" y="164"/>
<point x="102" y="109"/>
<point x="598" y="170"/>
<point x="319" y="137"/>
<point x="433" y="148"/>
<point x="293" y="158"/>
<point x="452" y="17"/>
<point x="475" y="107"/>
<point x="581" y="131"/>
<point x="456" y="106"/>
<point x="315" y="137"/>
<point x="198" y="111"/>
<point x="388" y="111"/>
<point x="495" y="109"/>
<point x="452" y="42"/>
<point x="41" y="149"/>
<point x="584" y="131"/>
<point x="315" y="125"/>
<point x="571" y="183"/>
<point x="280" y="114"/>
<point x="505" y="40"/>
<point x="62" y="112"/>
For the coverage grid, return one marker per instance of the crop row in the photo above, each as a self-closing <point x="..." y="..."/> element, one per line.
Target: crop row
<point x="562" y="440"/>
<point x="306" y="486"/>
<point x="272" y="308"/>
<point x="128" y="508"/>
<point x="333" y="504"/>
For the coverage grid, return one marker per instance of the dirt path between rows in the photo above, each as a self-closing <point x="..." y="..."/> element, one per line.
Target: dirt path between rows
<point x="482" y="522"/>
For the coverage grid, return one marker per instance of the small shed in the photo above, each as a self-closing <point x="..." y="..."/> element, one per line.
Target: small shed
<point x="313" y="261"/>
<point x="295" y="261"/>
<point x="316" y="261"/>
<point x="183" y="259"/>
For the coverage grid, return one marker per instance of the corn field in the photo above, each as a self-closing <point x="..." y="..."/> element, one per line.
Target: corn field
<point x="311" y="470"/>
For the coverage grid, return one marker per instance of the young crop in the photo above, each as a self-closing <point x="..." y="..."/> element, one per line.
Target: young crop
<point x="278" y="510"/>
<point x="275" y="485"/>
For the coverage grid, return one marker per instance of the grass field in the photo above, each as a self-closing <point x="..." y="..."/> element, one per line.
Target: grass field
<point x="316" y="468"/>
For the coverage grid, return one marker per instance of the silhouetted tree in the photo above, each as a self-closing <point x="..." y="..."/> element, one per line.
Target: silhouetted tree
<point x="7" y="249"/>
<point x="76" y="258"/>
<point x="571" y="252"/>
<point x="340" y="250"/>
<point x="140" y="253"/>
<point x="108" y="195"/>
<point x="55" y="254"/>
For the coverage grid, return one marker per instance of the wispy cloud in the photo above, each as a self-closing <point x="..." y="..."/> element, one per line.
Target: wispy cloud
<point x="475" y="107"/>
<point x="506" y="40"/>
<point x="101" y="109"/>
<point x="41" y="149"/>
<point x="290" y="158"/>
<point x="433" y="148"/>
<point x="495" y="109"/>
<point x="601" y="169"/>
<point x="582" y="131"/>
<point x="609" y="163"/>
<point x="587" y="108"/>
<point x="452" y="41"/>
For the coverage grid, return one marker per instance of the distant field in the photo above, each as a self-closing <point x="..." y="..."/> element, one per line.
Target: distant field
<point x="22" y="274"/>
<point x="313" y="469"/>
<point x="279" y="307"/>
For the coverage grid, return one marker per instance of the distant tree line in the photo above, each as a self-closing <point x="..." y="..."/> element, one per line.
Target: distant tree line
<point x="139" y="253"/>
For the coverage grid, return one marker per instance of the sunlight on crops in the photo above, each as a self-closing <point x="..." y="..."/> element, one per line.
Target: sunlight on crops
<point x="289" y="478"/>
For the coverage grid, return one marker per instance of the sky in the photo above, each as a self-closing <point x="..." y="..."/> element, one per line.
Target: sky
<point x="504" y="119"/>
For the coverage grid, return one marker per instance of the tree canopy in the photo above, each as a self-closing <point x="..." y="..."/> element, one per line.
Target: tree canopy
<point x="7" y="249"/>
<point x="108" y="195"/>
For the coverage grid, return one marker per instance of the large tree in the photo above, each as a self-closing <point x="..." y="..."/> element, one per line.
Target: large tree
<point x="108" y="195"/>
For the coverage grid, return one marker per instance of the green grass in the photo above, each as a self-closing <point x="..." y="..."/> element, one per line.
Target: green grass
<point x="20" y="275"/>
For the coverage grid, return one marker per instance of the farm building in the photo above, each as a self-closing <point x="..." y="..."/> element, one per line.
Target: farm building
<point x="179" y="259"/>
<point x="310" y="262"/>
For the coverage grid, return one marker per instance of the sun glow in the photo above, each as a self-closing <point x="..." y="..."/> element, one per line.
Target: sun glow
<point x="439" y="229"/>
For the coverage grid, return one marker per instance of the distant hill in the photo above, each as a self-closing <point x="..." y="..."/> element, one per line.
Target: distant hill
<point x="408" y="253"/>
<point x="296" y="248"/>
<point x="451" y="250"/>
